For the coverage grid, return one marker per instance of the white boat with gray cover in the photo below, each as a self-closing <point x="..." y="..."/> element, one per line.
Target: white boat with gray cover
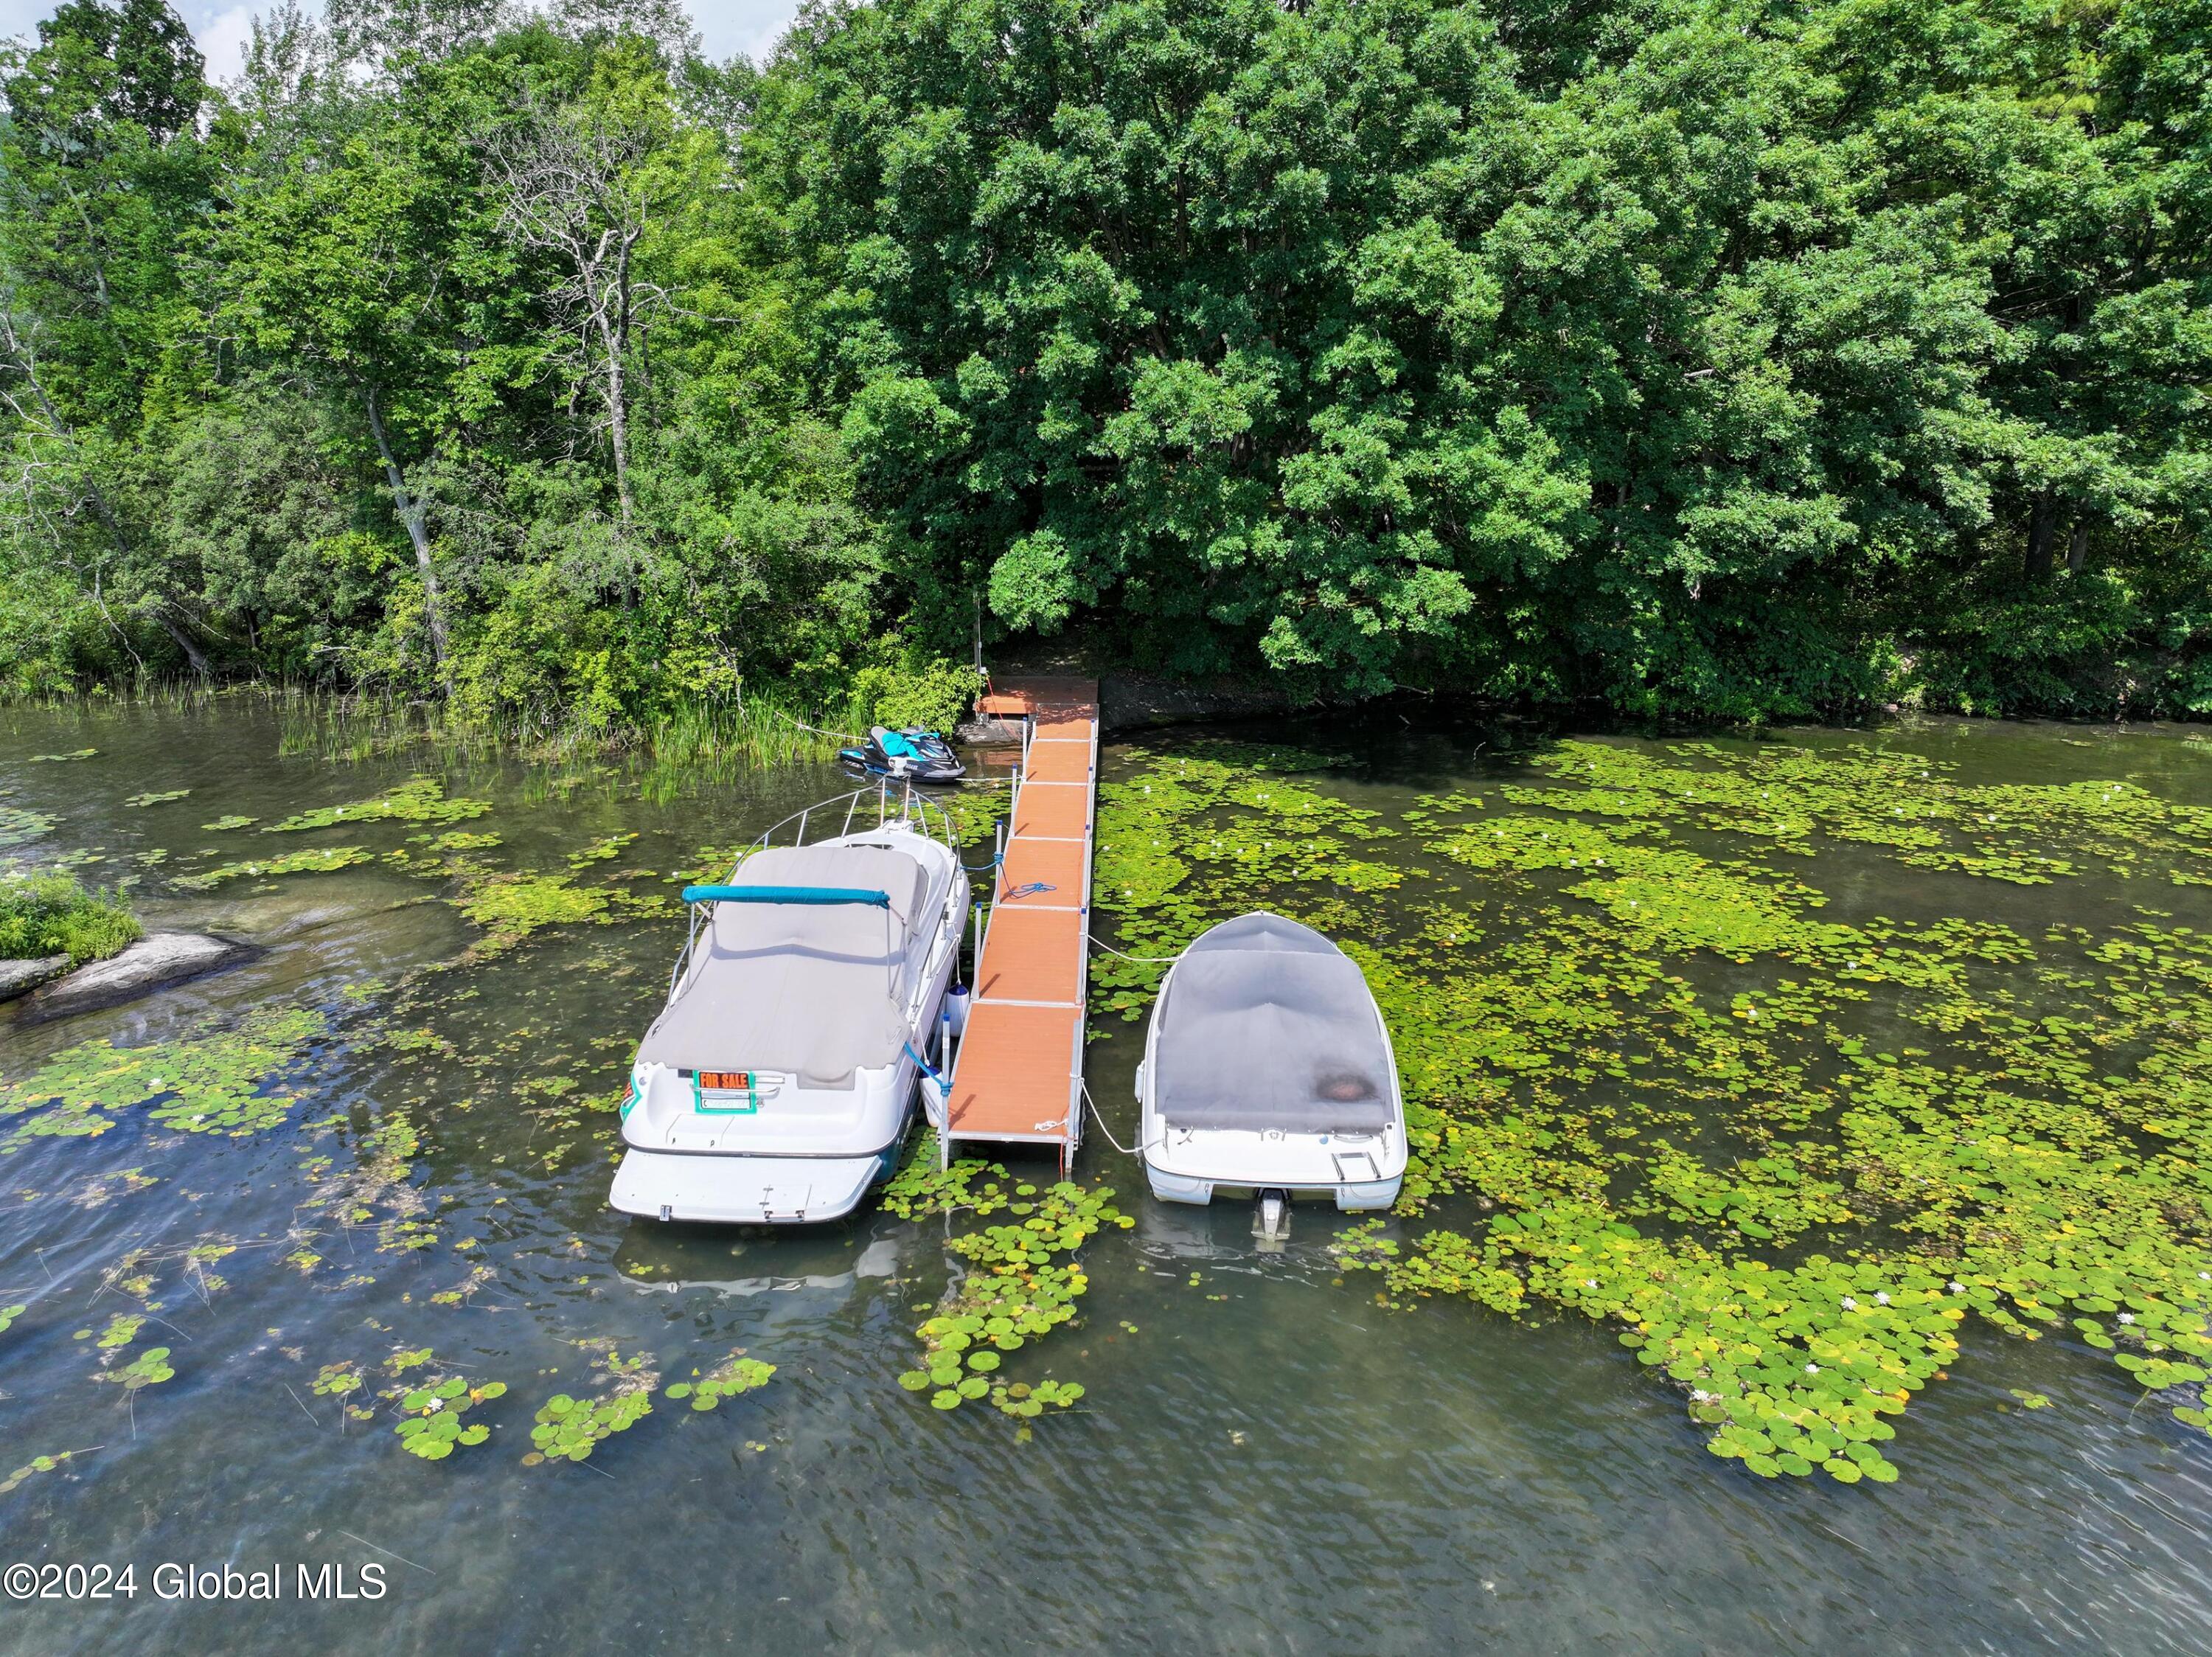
<point x="1267" y="1068"/>
<point x="779" y="1080"/>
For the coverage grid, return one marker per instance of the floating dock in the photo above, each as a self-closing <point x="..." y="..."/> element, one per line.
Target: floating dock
<point x="1018" y="1076"/>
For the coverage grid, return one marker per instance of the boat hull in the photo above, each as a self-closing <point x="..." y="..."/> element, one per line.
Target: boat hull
<point x="1353" y="1197"/>
<point x="746" y="1191"/>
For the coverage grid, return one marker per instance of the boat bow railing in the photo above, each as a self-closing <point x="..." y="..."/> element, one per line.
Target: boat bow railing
<point x="911" y="808"/>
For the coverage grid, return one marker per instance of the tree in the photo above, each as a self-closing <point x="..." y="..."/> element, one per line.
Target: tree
<point x="1705" y="359"/>
<point x="588" y="181"/>
<point x="357" y="267"/>
<point x="101" y="169"/>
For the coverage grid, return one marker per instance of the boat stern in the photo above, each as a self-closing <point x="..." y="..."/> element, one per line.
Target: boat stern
<point x="745" y="1190"/>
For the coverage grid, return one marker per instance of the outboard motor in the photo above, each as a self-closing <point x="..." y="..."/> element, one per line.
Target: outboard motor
<point x="1271" y="1220"/>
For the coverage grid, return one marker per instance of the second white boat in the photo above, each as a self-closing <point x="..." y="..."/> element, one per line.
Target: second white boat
<point x="1269" y="1072"/>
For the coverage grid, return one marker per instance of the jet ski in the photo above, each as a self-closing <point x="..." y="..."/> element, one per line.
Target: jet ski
<point x="907" y="756"/>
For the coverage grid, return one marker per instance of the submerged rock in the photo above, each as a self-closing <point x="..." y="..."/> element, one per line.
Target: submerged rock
<point x="20" y="976"/>
<point x="155" y="961"/>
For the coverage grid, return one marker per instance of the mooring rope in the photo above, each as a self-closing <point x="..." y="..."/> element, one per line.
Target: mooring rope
<point x="1099" y="1117"/>
<point x="1141" y="960"/>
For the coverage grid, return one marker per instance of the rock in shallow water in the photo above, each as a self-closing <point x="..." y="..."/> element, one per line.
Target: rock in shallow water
<point x="155" y="961"/>
<point x="19" y="978"/>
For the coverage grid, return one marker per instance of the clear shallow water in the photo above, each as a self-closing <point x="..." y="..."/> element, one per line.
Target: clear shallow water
<point x="1290" y="1468"/>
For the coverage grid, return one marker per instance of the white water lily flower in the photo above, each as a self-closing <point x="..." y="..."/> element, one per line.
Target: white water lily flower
<point x="1882" y="1297"/>
<point x="1958" y="1289"/>
<point x="1590" y="1283"/>
<point x="1812" y="1368"/>
<point x="1849" y="1304"/>
<point x="2127" y="1317"/>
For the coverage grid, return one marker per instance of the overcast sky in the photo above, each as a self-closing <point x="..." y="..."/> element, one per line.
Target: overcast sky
<point x="728" y="25"/>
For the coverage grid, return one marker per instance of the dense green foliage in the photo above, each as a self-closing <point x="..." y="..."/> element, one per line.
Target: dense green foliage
<point x="47" y="915"/>
<point x="1695" y="357"/>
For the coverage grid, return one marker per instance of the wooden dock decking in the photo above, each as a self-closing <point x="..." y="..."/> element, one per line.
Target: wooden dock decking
<point x="1018" y="1076"/>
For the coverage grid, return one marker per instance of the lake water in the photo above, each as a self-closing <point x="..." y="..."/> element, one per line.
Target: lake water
<point x="1266" y="1460"/>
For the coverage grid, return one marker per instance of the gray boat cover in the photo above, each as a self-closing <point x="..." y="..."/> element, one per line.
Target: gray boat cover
<point x="1267" y="1024"/>
<point x="809" y="990"/>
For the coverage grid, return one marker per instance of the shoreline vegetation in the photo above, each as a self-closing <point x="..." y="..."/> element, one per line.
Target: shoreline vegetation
<point x="1696" y="363"/>
<point x="320" y="723"/>
<point x="47" y="916"/>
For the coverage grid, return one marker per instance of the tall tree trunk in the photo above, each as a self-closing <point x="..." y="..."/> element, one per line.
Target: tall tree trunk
<point x="92" y="251"/>
<point x="410" y="507"/>
<point x="618" y="417"/>
<point x="2042" y="537"/>
<point x="2077" y="546"/>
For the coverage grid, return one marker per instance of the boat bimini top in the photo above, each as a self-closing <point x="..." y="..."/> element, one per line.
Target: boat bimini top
<point x="1268" y="1067"/>
<point x="801" y="965"/>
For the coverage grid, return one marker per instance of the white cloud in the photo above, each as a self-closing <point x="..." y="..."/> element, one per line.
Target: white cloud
<point x="224" y="34"/>
<point x="751" y="26"/>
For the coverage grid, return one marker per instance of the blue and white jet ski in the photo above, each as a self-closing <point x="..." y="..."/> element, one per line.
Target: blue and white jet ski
<point x="907" y="756"/>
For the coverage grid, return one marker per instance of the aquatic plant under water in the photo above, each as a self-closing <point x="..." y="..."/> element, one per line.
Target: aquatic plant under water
<point x="212" y="1081"/>
<point x="433" y="1421"/>
<point x="735" y="1375"/>
<point x="1023" y="1280"/>
<point x="569" y="1428"/>
<point x="418" y="800"/>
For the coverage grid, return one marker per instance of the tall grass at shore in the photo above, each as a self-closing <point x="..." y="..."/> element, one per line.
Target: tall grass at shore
<point x="44" y="915"/>
<point x="716" y="736"/>
<point x="735" y="732"/>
